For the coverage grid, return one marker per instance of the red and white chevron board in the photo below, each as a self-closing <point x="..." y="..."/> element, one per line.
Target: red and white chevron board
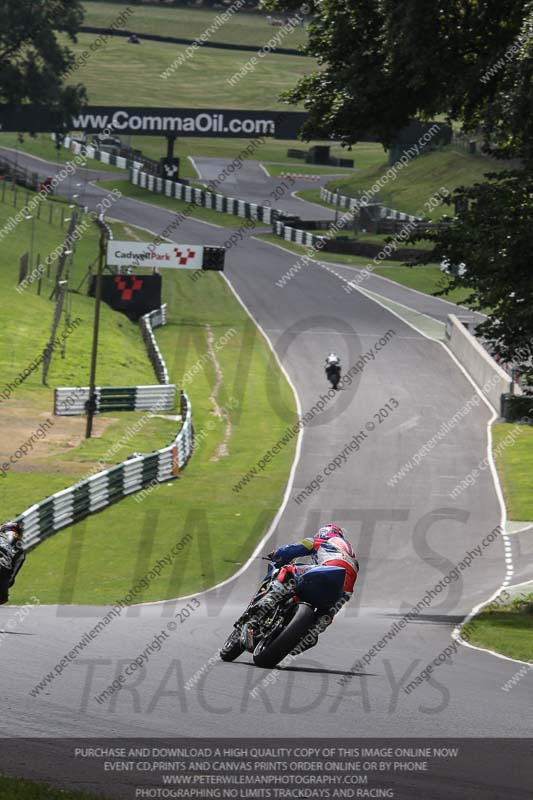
<point x="301" y="176"/>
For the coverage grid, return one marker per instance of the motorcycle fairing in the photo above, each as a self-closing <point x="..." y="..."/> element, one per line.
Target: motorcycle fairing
<point x="321" y="586"/>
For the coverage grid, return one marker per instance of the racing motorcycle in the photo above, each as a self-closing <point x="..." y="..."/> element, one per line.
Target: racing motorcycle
<point x="287" y="620"/>
<point x="333" y="370"/>
<point x="11" y="556"/>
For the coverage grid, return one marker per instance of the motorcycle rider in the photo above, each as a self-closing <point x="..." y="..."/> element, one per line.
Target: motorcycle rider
<point x="329" y="547"/>
<point x="11" y="557"/>
<point x="333" y="368"/>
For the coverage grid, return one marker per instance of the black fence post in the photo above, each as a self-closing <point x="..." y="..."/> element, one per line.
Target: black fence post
<point x="39" y="267"/>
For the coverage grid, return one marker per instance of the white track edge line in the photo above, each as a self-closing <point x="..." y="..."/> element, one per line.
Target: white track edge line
<point x="507" y="545"/>
<point x="509" y="569"/>
<point x="290" y="479"/>
<point x="409" y="288"/>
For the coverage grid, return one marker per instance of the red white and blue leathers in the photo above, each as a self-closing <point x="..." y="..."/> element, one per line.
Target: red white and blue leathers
<point x="330" y="551"/>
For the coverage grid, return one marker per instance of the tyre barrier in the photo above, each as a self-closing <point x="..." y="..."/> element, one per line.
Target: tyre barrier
<point x="100" y="490"/>
<point x="212" y="200"/>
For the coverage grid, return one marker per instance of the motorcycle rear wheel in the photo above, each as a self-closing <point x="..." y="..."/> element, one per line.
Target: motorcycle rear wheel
<point x="270" y="652"/>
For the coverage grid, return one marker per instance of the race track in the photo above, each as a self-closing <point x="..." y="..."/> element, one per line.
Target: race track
<point x="408" y="537"/>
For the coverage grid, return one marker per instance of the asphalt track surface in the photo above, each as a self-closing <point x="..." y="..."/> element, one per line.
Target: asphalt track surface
<point x="408" y="538"/>
<point x="252" y="183"/>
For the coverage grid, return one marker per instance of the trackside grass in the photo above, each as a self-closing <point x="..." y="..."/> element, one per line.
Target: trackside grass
<point x="121" y="70"/>
<point x="507" y="629"/>
<point x="515" y="466"/>
<point x="425" y="278"/>
<point x="63" y="456"/>
<point x="241" y="407"/>
<point x="43" y="146"/>
<point x="19" y="789"/>
<point x="421" y="179"/>
<point x="188" y="23"/>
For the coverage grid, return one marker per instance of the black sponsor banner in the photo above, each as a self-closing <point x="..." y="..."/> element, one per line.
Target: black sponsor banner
<point x="134" y="295"/>
<point x="214" y="123"/>
<point x="405" y="769"/>
<point x="198" y="122"/>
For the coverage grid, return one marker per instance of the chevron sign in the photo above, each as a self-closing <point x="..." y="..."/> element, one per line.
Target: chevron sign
<point x="169" y="168"/>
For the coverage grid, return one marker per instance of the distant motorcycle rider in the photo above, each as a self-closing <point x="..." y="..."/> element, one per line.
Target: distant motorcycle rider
<point x="333" y="369"/>
<point x="329" y="547"/>
<point x="11" y="557"/>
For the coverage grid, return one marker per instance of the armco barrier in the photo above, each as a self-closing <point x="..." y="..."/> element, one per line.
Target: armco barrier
<point x="481" y="367"/>
<point x="154" y="319"/>
<point x="217" y="202"/>
<point x="98" y="491"/>
<point x="297" y="236"/>
<point x="71" y="400"/>
<point x="325" y="244"/>
<point x="351" y="203"/>
<point x="99" y="155"/>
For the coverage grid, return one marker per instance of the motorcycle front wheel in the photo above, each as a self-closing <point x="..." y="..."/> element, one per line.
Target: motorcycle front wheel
<point x="271" y="651"/>
<point x="232" y="647"/>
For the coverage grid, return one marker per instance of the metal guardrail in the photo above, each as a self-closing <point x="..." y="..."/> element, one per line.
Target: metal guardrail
<point x="329" y="244"/>
<point x="217" y="202"/>
<point x="72" y="400"/>
<point x="100" y="490"/>
<point x="296" y="235"/>
<point x="154" y="319"/>
<point x="97" y="154"/>
<point x="353" y="204"/>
